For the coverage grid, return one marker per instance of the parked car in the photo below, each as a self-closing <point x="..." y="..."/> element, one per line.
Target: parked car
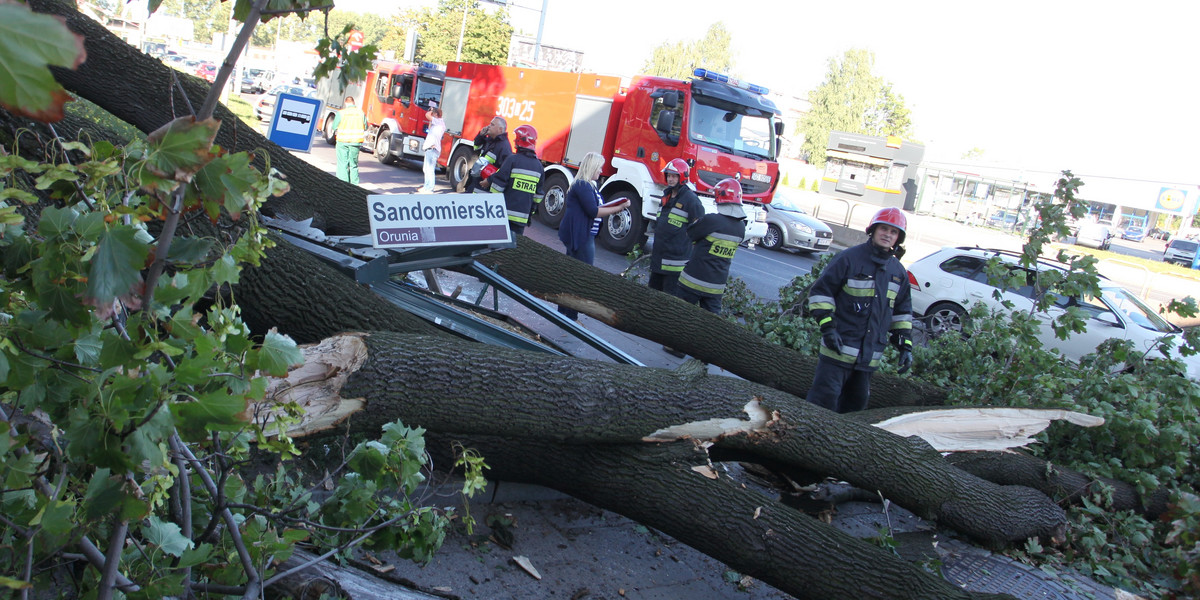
<point x="948" y="282"/>
<point x="1180" y="252"/>
<point x="1134" y="233"/>
<point x="1159" y="234"/>
<point x="207" y="71"/>
<point x="266" y="104"/>
<point x="1094" y="235"/>
<point x="788" y="226"/>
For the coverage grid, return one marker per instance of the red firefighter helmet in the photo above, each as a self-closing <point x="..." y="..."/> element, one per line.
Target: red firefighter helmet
<point x="890" y="216"/>
<point x="677" y="166"/>
<point x="728" y="191"/>
<point x="525" y="136"/>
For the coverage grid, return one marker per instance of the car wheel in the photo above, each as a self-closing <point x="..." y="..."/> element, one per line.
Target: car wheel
<point x="773" y="239"/>
<point x="621" y="231"/>
<point x="554" y="201"/>
<point x="945" y="317"/>
<point x="329" y="134"/>
<point x="383" y="147"/>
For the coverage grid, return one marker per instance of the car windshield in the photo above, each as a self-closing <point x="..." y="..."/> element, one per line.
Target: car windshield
<point x="786" y="205"/>
<point x="727" y="126"/>
<point x="1185" y="245"/>
<point x="1135" y="310"/>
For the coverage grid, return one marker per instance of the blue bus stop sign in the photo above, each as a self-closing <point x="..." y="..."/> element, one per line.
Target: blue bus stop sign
<point x="294" y="122"/>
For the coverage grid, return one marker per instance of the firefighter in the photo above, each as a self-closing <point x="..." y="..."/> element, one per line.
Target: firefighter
<point x="859" y="298"/>
<point x="349" y="126"/>
<point x="679" y="209"/>
<point x="493" y="148"/>
<point x="519" y="178"/>
<point x="715" y="239"/>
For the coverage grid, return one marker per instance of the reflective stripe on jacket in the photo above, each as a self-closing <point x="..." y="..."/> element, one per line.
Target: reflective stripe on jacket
<point x="672" y="246"/>
<point x="715" y="240"/>
<point x="518" y="179"/>
<point x="866" y="297"/>
<point x="351" y="126"/>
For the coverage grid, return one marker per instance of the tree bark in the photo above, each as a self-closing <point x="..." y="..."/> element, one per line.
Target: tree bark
<point x="1059" y="483"/>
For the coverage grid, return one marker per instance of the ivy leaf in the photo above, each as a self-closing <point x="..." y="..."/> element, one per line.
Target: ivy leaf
<point x="115" y="267"/>
<point x="182" y="147"/>
<point x="167" y="536"/>
<point x="277" y="353"/>
<point x="29" y="43"/>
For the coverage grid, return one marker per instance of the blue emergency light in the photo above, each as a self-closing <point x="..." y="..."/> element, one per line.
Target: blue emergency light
<point x="727" y="80"/>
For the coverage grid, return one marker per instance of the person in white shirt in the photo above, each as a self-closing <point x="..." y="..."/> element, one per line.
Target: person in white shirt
<point x="433" y="146"/>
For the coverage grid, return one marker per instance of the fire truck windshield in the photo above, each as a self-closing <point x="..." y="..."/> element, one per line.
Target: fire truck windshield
<point x="428" y="89"/>
<point x="730" y="127"/>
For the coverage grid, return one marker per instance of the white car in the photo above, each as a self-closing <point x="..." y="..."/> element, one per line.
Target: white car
<point x="788" y="226"/>
<point x="948" y="282"/>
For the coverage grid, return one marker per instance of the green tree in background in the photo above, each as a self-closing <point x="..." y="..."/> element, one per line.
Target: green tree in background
<point x="311" y="27"/>
<point x="973" y="154"/>
<point x="855" y="100"/>
<point x="485" y="39"/>
<point x="207" y="16"/>
<point x="677" y="60"/>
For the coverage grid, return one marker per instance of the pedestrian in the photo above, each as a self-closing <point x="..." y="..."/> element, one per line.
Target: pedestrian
<point x="859" y="298"/>
<point x="493" y="148"/>
<point x="678" y="209"/>
<point x="582" y="214"/>
<point x="432" y="146"/>
<point x="518" y="178"/>
<point x="350" y="126"/>
<point x="715" y="239"/>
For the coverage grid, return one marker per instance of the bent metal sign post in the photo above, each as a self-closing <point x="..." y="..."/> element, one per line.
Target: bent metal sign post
<point x="412" y="220"/>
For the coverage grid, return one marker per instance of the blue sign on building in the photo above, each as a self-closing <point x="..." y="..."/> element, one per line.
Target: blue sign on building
<point x="294" y="122"/>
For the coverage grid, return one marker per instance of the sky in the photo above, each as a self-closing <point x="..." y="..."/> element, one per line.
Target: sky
<point x="1101" y="88"/>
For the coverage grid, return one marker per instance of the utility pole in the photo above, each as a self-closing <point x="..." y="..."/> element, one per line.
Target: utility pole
<point x="462" y="30"/>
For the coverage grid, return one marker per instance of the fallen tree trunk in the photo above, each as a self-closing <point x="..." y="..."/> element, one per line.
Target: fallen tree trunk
<point x="468" y="389"/>
<point x="1059" y="483"/>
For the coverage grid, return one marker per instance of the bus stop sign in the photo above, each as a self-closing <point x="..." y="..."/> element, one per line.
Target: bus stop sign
<point x="294" y="122"/>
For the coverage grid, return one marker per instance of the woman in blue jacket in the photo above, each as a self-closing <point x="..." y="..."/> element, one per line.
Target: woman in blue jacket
<point x="582" y="214"/>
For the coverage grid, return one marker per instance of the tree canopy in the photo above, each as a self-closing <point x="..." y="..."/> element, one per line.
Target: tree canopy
<point x="485" y="35"/>
<point x="679" y="59"/>
<point x="855" y="100"/>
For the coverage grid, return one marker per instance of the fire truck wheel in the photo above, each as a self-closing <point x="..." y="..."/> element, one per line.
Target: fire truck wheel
<point x="554" y="200"/>
<point x="383" y="147"/>
<point x="459" y="165"/>
<point x="329" y="134"/>
<point x="621" y="231"/>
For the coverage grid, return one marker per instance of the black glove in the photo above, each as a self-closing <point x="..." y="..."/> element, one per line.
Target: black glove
<point x="831" y="339"/>
<point x="903" y="343"/>
<point x="904" y="362"/>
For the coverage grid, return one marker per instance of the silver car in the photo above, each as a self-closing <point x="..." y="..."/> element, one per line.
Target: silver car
<point x="788" y="226"/>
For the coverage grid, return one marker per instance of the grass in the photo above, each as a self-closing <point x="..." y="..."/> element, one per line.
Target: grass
<point x="242" y="109"/>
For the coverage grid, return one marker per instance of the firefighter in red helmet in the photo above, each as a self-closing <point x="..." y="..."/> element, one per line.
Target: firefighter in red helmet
<point x="715" y="239"/>
<point x="679" y="208"/>
<point x="519" y="178"/>
<point x="860" y="300"/>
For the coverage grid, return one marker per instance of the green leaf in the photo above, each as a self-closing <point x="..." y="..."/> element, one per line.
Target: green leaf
<point x="29" y="43"/>
<point x="225" y="270"/>
<point x="87" y="349"/>
<point x="57" y="517"/>
<point x="90" y="225"/>
<point x="3" y="367"/>
<point x="181" y="148"/>
<point x="104" y="494"/>
<point x="277" y="353"/>
<point x="56" y="222"/>
<point x="194" y="556"/>
<point x="167" y="536"/>
<point x="115" y="267"/>
<point x="227" y="181"/>
<point x="14" y="584"/>
<point x="189" y="250"/>
<point x="215" y="411"/>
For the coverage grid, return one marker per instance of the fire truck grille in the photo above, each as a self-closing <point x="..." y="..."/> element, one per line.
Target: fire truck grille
<point x="749" y="186"/>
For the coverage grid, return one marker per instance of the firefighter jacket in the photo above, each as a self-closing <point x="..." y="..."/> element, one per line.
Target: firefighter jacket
<point x="672" y="246"/>
<point x="865" y="295"/>
<point x="715" y="239"/>
<point x="350" y="125"/>
<point x="492" y="150"/>
<point x="518" y="179"/>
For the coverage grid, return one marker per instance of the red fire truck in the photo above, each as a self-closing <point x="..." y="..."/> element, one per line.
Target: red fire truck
<point x="394" y="97"/>
<point x="721" y="126"/>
